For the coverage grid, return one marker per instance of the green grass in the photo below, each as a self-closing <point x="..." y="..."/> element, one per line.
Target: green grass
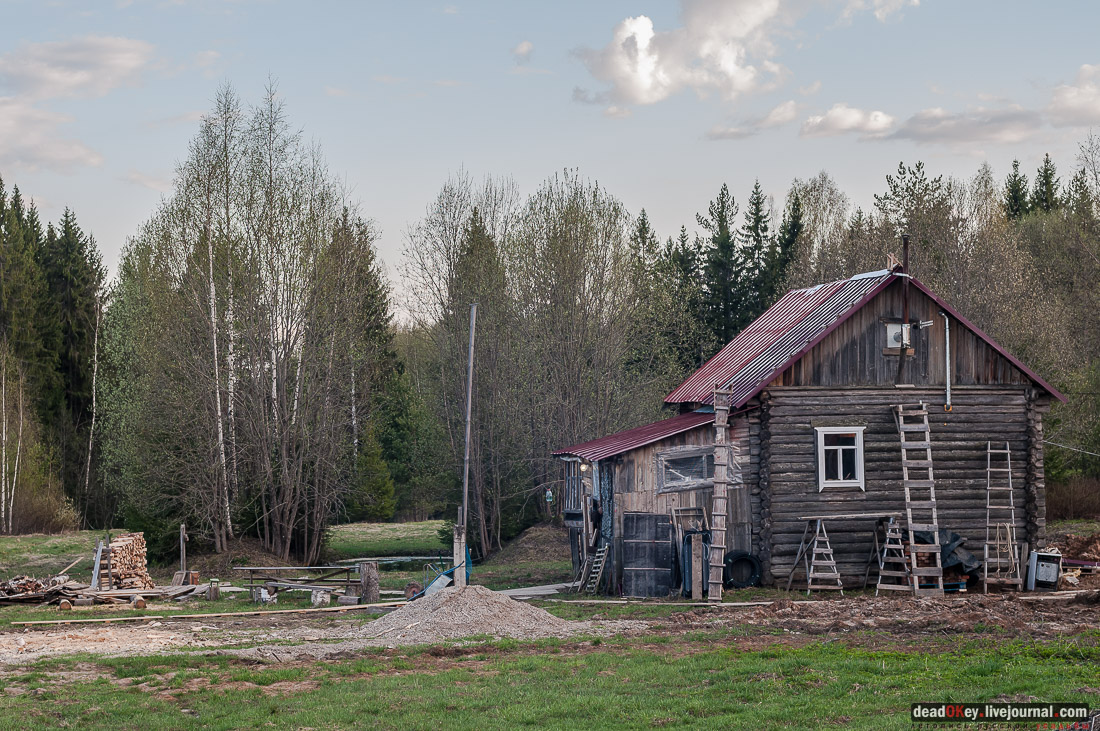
<point x="365" y="540"/>
<point x="632" y="684"/>
<point x="42" y="555"/>
<point x="498" y="576"/>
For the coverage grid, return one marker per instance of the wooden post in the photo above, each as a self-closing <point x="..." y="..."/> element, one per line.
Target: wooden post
<point x="719" y="507"/>
<point x="460" y="555"/>
<point x="183" y="547"/>
<point x="697" y="567"/>
<point x="368" y="582"/>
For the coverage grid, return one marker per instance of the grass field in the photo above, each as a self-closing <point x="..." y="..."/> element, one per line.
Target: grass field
<point x="366" y="540"/>
<point x="706" y="680"/>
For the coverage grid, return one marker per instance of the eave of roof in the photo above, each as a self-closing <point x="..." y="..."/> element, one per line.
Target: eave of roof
<point x="639" y="436"/>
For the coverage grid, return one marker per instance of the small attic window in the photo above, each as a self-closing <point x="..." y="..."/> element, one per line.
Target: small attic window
<point x="685" y="468"/>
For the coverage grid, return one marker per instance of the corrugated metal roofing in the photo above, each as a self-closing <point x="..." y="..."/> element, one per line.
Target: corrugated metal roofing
<point x="793" y="325"/>
<point x="639" y="436"/>
<point x="778" y="337"/>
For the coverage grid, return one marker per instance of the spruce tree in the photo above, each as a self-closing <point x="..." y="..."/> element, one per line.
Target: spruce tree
<point x="782" y="251"/>
<point x="1044" y="196"/>
<point x="1015" y="193"/>
<point x="724" y="269"/>
<point x="756" y="244"/>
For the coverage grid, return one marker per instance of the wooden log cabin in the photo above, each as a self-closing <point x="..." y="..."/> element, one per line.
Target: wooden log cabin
<point x="811" y="388"/>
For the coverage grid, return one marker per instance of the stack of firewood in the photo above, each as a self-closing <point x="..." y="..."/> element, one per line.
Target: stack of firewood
<point x="128" y="562"/>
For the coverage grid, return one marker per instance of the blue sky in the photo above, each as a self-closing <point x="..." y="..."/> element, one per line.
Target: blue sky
<point x="661" y="102"/>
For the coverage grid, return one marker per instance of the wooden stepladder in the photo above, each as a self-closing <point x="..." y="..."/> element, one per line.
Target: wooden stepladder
<point x="816" y="554"/>
<point x="893" y="568"/>
<point x="920" y="496"/>
<point x="1002" y="552"/>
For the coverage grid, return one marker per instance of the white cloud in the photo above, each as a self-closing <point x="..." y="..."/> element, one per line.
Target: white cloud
<point x="996" y="126"/>
<point x="810" y="89"/>
<point x="843" y="119"/>
<point x="161" y="185"/>
<point x="450" y="10"/>
<point x="84" y="67"/>
<point x="521" y="54"/>
<point x="1077" y="104"/>
<point x="184" y="118"/>
<point x="882" y="9"/>
<point x="387" y="79"/>
<point x="616" y="112"/>
<point x="29" y="139"/>
<point x="203" y="59"/>
<point x="780" y="115"/>
<point x="721" y="48"/>
<point x="335" y="91"/>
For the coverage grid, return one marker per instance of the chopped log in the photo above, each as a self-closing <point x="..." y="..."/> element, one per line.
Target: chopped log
<point x="137" y="601"/>
<point x="65" y="605"/>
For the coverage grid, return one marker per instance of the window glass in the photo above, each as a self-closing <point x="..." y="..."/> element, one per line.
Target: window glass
<point x="848" y="464"/>
<point x="831" y="472"/>
<point x="840" y="440"/>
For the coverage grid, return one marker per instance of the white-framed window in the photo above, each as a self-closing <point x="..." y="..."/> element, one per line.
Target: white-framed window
<point x="685" y="468"/>
<point x="840" y="457"/>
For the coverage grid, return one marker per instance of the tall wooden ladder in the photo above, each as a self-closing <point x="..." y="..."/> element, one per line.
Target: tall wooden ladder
<point x="1002" y="552"/>
<point x="592" y="584"/>
<point x="920" y="496"/>
<point x="893" y="568"/>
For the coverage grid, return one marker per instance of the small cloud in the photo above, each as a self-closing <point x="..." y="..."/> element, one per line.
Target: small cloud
<point x="719" y="132"/>
<point x="521" y="54"/>
<point x="84" y="67"/>
<point x="811" y="89"/>
<point x="29" y="138"/>
<point x="615" y="112"/>
<point x="882" y="9"/>
<point x="160" y="185"/>
<point x="335" y="91"/>
<point x="387" y="79"/>
<point x="584" y="96"/>
<point x="204" y="59"/>
<point x="1077" y="104"/>
<point x="998" y="126"/>
<point x="184" y="118"/>
<point x="843" y="119"/>
<point x="780" y="115"/>
<point x="450" y="10"/>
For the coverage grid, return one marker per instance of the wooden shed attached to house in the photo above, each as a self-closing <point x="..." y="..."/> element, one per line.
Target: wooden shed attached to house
<point x="809" y="428"/>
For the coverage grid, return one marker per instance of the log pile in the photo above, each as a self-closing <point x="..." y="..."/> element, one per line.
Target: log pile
<point x="128" y="569"/>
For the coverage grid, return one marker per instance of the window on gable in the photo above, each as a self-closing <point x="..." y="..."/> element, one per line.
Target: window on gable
<point x="686" y="469"/>
<point x="840" y="457"/>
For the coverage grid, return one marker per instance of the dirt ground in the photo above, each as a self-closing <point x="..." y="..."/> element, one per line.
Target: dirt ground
<point x="541" y="542"/>
<point x="298" y="637"/>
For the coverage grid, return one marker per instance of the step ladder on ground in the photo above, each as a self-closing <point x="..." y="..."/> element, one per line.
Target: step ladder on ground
<point x="1002" y="553"/>
<point x="893" y="568"/>
<point x="920" y="497"/>
<point x="816" y="554"/>
<point x="592" y="582"/>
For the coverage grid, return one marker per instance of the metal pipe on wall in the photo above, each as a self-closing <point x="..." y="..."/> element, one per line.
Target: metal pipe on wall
<point x="947" y="357"/>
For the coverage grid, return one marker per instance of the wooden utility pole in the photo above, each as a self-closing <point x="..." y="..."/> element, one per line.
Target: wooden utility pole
<point x="183" y="546"/>
<point x="460" y="537"/>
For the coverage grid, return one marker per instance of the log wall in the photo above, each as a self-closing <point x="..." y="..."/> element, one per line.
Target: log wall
<point x="788" y="469"/>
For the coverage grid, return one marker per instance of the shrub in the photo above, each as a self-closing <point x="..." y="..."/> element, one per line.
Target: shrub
<point x="1074" y="499"/>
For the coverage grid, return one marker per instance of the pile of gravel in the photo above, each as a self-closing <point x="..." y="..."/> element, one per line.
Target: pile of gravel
<point x="455" y="613"/>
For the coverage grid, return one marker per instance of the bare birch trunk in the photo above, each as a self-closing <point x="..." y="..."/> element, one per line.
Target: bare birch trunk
<point x="354" y="413"/>
<point x="231" y="395"/>
<point x="18" y="451"/>
<point x="223" y="489"/>
<point x="91" y="429"/>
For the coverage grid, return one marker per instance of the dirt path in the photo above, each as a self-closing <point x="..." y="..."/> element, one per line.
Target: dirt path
<point x="287" y="638"/>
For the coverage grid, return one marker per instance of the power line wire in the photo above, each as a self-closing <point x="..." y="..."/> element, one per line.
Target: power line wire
<point x="1072" y="449"/>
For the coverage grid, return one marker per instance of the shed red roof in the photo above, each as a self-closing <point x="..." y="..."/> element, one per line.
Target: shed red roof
<point x="790" y="328"/>
<point x="639" y="436"/>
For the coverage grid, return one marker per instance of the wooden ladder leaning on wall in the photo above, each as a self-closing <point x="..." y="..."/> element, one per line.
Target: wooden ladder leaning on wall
<point x="719" y="503"/>
<point x="1001" y="566"/>
<point x="916" y="456"/>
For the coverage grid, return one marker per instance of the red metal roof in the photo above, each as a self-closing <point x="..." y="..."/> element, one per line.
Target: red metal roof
<point x="639" y="436"/>
<point x="791" y="327"/>
<point x="777" y="338"/>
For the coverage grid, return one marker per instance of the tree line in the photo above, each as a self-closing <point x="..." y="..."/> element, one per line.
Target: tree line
<point x="246" y="371"/>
